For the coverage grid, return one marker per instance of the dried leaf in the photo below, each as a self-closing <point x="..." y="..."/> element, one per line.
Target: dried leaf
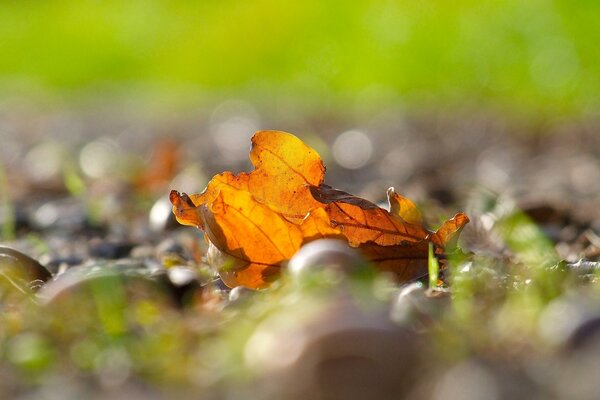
<point x="403" y="208"/>
<point x="284" y="170"/>
<point x="256" y="221"/>
<point x="407" y="261"/>
<point x="160" y="168"/>
<point x="185" y="209"/>
<point x="362" y="221"/>
<point x="447" y="234"/>
<point x="256" y="238"/>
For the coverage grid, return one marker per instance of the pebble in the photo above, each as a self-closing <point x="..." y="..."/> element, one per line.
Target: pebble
<point x="161" y="217"/>
<point x="240" y="294"/>
<point x="344" y="352"/>
<point x="58" y="264"/>
<point x="110" y="250"/>
<point x="185" y="284"/>
<point x="20" y="271"/>
<point x="170" y="247"/>
<point x="586" y="334"/>
<point x="142" y="251"/>
<point x="65" y="214"/>
<point x="181" y="276"/>
<point x="474" y="379"/>
<point x="418" y="306"/>
<point x="584" y="267"/>
<point x="571" y="324"/>
<point x="113" y="298"/>
<point x="328" y="259"/>
<point x="568" y="322"/>
<point x="219" y="260"/>
<point x="43" y="164"/>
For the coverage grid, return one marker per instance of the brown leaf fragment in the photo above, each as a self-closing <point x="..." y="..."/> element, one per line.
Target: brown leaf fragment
<point x="161" y="167"/>
<point x="448" y="233"/>
<point x="185" y="209"/>
<point x="407" y="261"/>
<point x="317" y="225"/>
<point x="403" y="208"/>
<point x="362" y="221"/>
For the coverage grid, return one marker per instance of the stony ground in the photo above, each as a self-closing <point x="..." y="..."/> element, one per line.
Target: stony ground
<point x="131" y="309"/>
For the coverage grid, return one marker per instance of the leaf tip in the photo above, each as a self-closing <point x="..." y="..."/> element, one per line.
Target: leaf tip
<point x="174" y="196"/>
<point x="185" y="210"/>
<point x="447" y="234"/>
<point x="403" y="208"/>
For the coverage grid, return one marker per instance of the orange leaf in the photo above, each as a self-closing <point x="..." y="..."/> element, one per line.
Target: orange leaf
<point x="285" y="169"/>
<point x="449" y="231"/>
<point x="256" y="221"/>
<point x="255" y="236"/>
<point x="185" y="209"/>
<point x="403" y="208"/>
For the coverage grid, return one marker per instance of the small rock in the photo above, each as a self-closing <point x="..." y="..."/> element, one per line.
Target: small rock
<point x="161" y="217"/>
<point x="21" y="271"/>
<point x="571" y="324"/>
<point x="62" y="214"/>
<point x="344" y="352"/>
<point x="56" y="264"/>
<point x="111" y="250"/>
<point x="329" y="259"/>
<point x="44" y="163"/>
<point x="239" y="294"/>
<point x="474" y="379"/>
<point x="220" y="262"/>
<point x="588" y="332"/>
<point x="185" y="284"/>
<point x="181" y="276"/>
<point x="568" y="321"/>
<point x="418" y="306"/>
<point x="170" y="247"/>
<point x="584" y="267"/>
<point x="107" y="298"/>
<point x="143" y="251"/>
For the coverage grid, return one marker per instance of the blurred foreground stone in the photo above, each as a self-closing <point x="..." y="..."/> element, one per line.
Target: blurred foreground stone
<point x="109" y="299"/>
<point x="20" y="275"/>
<point x="345" y="352"/>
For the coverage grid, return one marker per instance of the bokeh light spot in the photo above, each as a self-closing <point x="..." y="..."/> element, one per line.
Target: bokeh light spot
<point x="352" y="149"/>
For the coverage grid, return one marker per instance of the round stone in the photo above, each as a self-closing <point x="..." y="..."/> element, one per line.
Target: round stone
<point x="331" y="259"/>
<point x="107" y="298"/>
<point x="344" y="352"/>
<point x="419" y="307"/>
<point x="21" y="272"/>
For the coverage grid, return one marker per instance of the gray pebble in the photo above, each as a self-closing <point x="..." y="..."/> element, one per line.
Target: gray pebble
<point x="326" y="257"/>
<point x="343" y="352"/>
<point x="418" y="306"/>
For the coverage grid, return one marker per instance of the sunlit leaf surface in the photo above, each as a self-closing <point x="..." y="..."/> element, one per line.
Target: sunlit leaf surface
<point x="260" y="219"/>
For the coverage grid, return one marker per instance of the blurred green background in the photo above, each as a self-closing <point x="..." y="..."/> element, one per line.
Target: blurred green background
<point x="534" y="58"/>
